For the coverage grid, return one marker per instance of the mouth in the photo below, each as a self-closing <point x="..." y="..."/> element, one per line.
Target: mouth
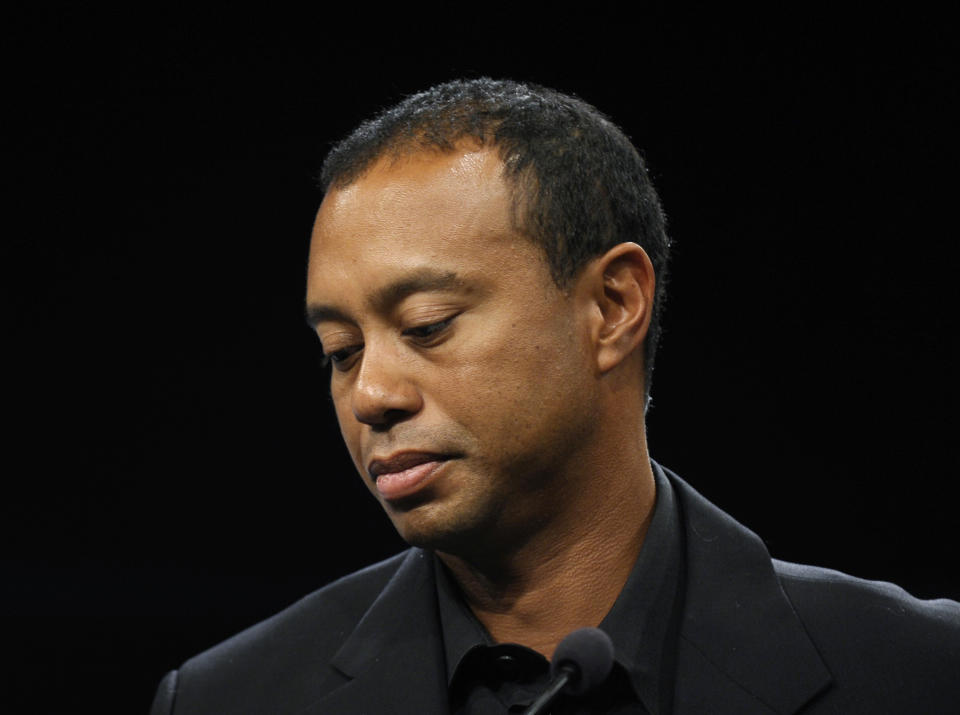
<point x="404" y="473"/>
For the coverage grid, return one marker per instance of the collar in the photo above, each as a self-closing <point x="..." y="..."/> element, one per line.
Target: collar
<point x="392" y="659"/>
<point x="742" y="648"/>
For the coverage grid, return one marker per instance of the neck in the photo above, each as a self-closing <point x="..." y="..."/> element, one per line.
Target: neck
<point x="569" y="571"/>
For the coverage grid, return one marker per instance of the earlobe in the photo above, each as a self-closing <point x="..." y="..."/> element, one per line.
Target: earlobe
<point x="624" y="290"/>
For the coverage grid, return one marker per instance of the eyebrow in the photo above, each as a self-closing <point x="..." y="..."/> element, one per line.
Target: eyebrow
<point x="383" y="299"/>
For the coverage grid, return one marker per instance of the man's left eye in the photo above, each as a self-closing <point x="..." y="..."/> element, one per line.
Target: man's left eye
<point x="423" y="332"/>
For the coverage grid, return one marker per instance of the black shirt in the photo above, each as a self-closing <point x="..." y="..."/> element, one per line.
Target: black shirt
<point x="484" y="677"/>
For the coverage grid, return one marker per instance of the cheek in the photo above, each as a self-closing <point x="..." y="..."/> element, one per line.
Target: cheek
<point x="349" y="427"/>
<point x="513" y="385"/>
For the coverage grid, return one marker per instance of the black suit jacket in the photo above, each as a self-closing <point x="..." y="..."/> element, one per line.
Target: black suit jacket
<point x="757" y="636"/>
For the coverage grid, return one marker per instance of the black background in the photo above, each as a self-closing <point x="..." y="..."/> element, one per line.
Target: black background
<point x="174" y="471"/>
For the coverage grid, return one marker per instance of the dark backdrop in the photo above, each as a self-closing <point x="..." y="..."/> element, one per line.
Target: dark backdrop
<point x="174" y="471"/>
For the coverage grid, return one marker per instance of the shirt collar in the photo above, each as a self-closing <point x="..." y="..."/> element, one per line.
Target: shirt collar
<point x="641" y="623"/>
<point x="462" y="632"/>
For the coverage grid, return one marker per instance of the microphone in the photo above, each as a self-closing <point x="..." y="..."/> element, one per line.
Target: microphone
<point x="580" y="663"/>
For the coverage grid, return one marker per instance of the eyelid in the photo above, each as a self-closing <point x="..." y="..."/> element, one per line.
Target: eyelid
<point x="336" y="343"/>
<point x="431" y="328"/>
<point x="335" y="357"/>
<point x="425" y="333"/>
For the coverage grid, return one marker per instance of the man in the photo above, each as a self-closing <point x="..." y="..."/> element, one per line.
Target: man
<point x="485" y="277"/>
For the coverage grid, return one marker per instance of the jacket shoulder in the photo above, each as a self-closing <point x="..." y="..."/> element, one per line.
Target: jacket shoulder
<point x="331" y="611"/>
<point x="875" y="637"/>
<point x="832" y="596"/>
<point x="288" y="653"/>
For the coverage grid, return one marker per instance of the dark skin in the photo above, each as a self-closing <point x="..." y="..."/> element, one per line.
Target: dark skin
<point x="498" y="419"/>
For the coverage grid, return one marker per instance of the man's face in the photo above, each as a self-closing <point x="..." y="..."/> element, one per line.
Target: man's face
<point x="461" y="375"/>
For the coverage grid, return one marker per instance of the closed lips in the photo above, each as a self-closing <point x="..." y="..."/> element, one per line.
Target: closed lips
<point x="401" y="462"/>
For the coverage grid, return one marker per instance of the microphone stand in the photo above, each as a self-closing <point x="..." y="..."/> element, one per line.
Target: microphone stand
<point x="547" y="697"/>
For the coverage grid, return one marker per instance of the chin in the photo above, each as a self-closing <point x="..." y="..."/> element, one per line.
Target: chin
<point x="437" y="528"/>
<point x="429" y="535"/>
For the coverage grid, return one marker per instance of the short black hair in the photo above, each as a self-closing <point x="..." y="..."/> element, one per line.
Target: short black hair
<point x="579" y="185"/>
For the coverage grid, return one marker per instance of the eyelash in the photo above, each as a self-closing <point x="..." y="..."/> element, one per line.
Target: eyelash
<point x="421" y="332"/>
<point x="338" y="356"/>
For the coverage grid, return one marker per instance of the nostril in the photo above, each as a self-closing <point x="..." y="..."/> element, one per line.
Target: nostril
<point x="389" y="418"/>
<point x="381" y="408"/>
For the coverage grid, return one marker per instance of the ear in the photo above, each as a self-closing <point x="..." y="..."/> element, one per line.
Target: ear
<point x="622" y="285"/>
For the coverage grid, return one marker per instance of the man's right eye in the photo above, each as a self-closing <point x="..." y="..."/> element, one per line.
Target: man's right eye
<point x="339" y="358"/>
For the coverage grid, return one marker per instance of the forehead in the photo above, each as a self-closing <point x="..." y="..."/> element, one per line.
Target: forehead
<point x="450" y="212"/>
<point x="422" y="189"/>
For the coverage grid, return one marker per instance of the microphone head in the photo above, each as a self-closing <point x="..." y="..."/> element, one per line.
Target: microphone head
<point x="588" y="654"/>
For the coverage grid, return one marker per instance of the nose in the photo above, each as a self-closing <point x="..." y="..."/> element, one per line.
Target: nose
<point x="383" y="392"/>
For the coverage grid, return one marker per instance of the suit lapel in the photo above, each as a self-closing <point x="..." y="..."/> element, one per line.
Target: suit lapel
<point x="394" y="659"/>
<point x="742" y="647"/>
